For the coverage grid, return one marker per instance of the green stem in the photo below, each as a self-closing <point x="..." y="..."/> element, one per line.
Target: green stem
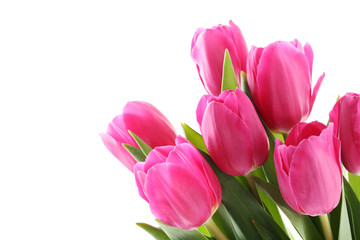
<point x="325" y="224"/>
<point x="252" y="187"/>
<point x="214" y="230"/>
<point x="285" y="135"/>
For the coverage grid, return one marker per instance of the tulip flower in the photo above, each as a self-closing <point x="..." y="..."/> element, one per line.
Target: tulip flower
<point x="346" y="118"/>
<point x="145" y="121"/>
<point x="232" y="132"/>
<point x="180" y="186"/>
<point x="279" y="79"/>
<point x="208" y="48"/>
<point x="308" y="168"/>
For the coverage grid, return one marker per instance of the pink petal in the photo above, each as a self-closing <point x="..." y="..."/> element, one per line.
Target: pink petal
<point x="201" y="108"/>
<point x="176" y="197"/>
<point x="303" y="131"/>
<point x="283" y="107"/>
<point x="149" y="124"/>
<point x="282" y="160"/>
<point x="140" y="179"/>
<point x="315" y="91"/>
<point x="156" y="156"/>
<point x="334" y="116"/>
<point x="315" y="174"/>
<point x="228" y="139"/>
<point x="118" y="151"/>
<point x="240" y="48"/>
<point x="309" y="55"/>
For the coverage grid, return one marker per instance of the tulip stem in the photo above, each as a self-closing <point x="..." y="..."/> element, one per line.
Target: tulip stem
<point x="325" y="224"/>
<point x="214" y="230"/>
<point x="252" y="186"/>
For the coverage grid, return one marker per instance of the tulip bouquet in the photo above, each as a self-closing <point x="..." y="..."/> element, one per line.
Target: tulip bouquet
<point x="255" y="161"/>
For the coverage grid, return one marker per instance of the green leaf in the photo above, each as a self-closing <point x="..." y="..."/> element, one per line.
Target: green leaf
<point x="203" y="230"/>
<point x="180" y="234"/>
<point x="135" y="152"/>
<point x="157" y="233"/>
<point x="265" y="234"/>
<point x="226" y="224"/>
<point x="344" y="228"/>
<point x="354" y="181"/>
<point x="243" y="207"/>
<point x="244" y="85"/>
<point x="143" y="146"/>
<point x="268" y="202"/>
<point x="302" y="223"/>
<point x="229" y="81"/>
<point x="194" y="137"/>
<point x="334" y="217"/>
<point x="353" y="207"/>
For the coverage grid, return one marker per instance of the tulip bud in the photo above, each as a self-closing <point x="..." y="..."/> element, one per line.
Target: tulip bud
<point x="279" y="79"/>
<point x="232" y="132"/>
<point x="208" y="48"/>
<point x="180" y="186"/>
<point x="145" y="121"/>
<point x="308" y="168"/>
<point x="346" y="118"/>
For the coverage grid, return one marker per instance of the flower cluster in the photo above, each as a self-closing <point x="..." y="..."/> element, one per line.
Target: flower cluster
<point x="267" y="92"/>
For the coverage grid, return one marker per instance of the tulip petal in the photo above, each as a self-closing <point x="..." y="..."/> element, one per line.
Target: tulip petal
<point x="334" y="116"/>
<point x="158" y="155"/>
<point x="315" y="91"/>
<point x="309" y="55"/>
<point x="140" y="179"/>
<point x="118" y="150"/>
<point x="240" y="47"/>
<point x="282" y="161"/>
<point x="186" y="155"/>
<point x="317" y="188"/>
<point x="139" y="116"/>
<point x="303" y="131"/>
<point x="283" y="65"/>
<point x="201" y="108"/>
<point x="218" y="139"/>
<point x="176" y="197"/>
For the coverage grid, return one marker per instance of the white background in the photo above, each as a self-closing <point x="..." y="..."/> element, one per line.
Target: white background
<point x="68" y="67"/>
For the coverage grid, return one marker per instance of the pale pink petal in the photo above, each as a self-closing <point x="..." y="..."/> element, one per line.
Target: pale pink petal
<point x="140" y="179"/>
<point x="176" y="197"/>
<point x="282" y="160"/>
<point x="219" y="139"/>
<point x="201" y="108"/>
<point x="118" y="151"/>
<point x="279" y="89"/>
<point x="309" y="55"/>
<point x="148" y="123"/>
<point x="315" y="91"/>
<point x="315" y="174"/>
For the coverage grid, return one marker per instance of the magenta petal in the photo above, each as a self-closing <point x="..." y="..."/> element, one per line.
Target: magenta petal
<point x="140" y="179"/>
<point x="279" y="112"/>
<point x="309" y="55"/>
<point x="176" y="196"/>
<point x="315" y="162"/>
<point x="282" y="161"/>
<point x="201" y="108"/>
<point x="315" y="91"/>
<point x="118" y="151"/>
<point x="334" y="116"/>
<point x="235" y="136"/>
<point x="157" y="155"/>
<point x="148" y="123"/>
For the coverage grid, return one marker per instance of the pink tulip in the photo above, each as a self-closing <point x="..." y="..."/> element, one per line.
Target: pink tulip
<point x="146" y="122"/>
<point x="180" y="186"/>
<point x="346" y="118"/>
<point x="208" y="48"/>
<point x="308" y="168"/>
<point x="279" y="79"/>
<point x="232" y="132"/>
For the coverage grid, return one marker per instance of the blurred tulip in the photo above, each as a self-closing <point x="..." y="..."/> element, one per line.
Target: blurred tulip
<point x="232" y="132"/>
<point x="346" y="118"/>
<point x="279" y="79"/>
<point x="308" y="168"/>
<point x="146" y="122"/>
<point x="180" y="186"/>
<point x="208" y="48"/>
